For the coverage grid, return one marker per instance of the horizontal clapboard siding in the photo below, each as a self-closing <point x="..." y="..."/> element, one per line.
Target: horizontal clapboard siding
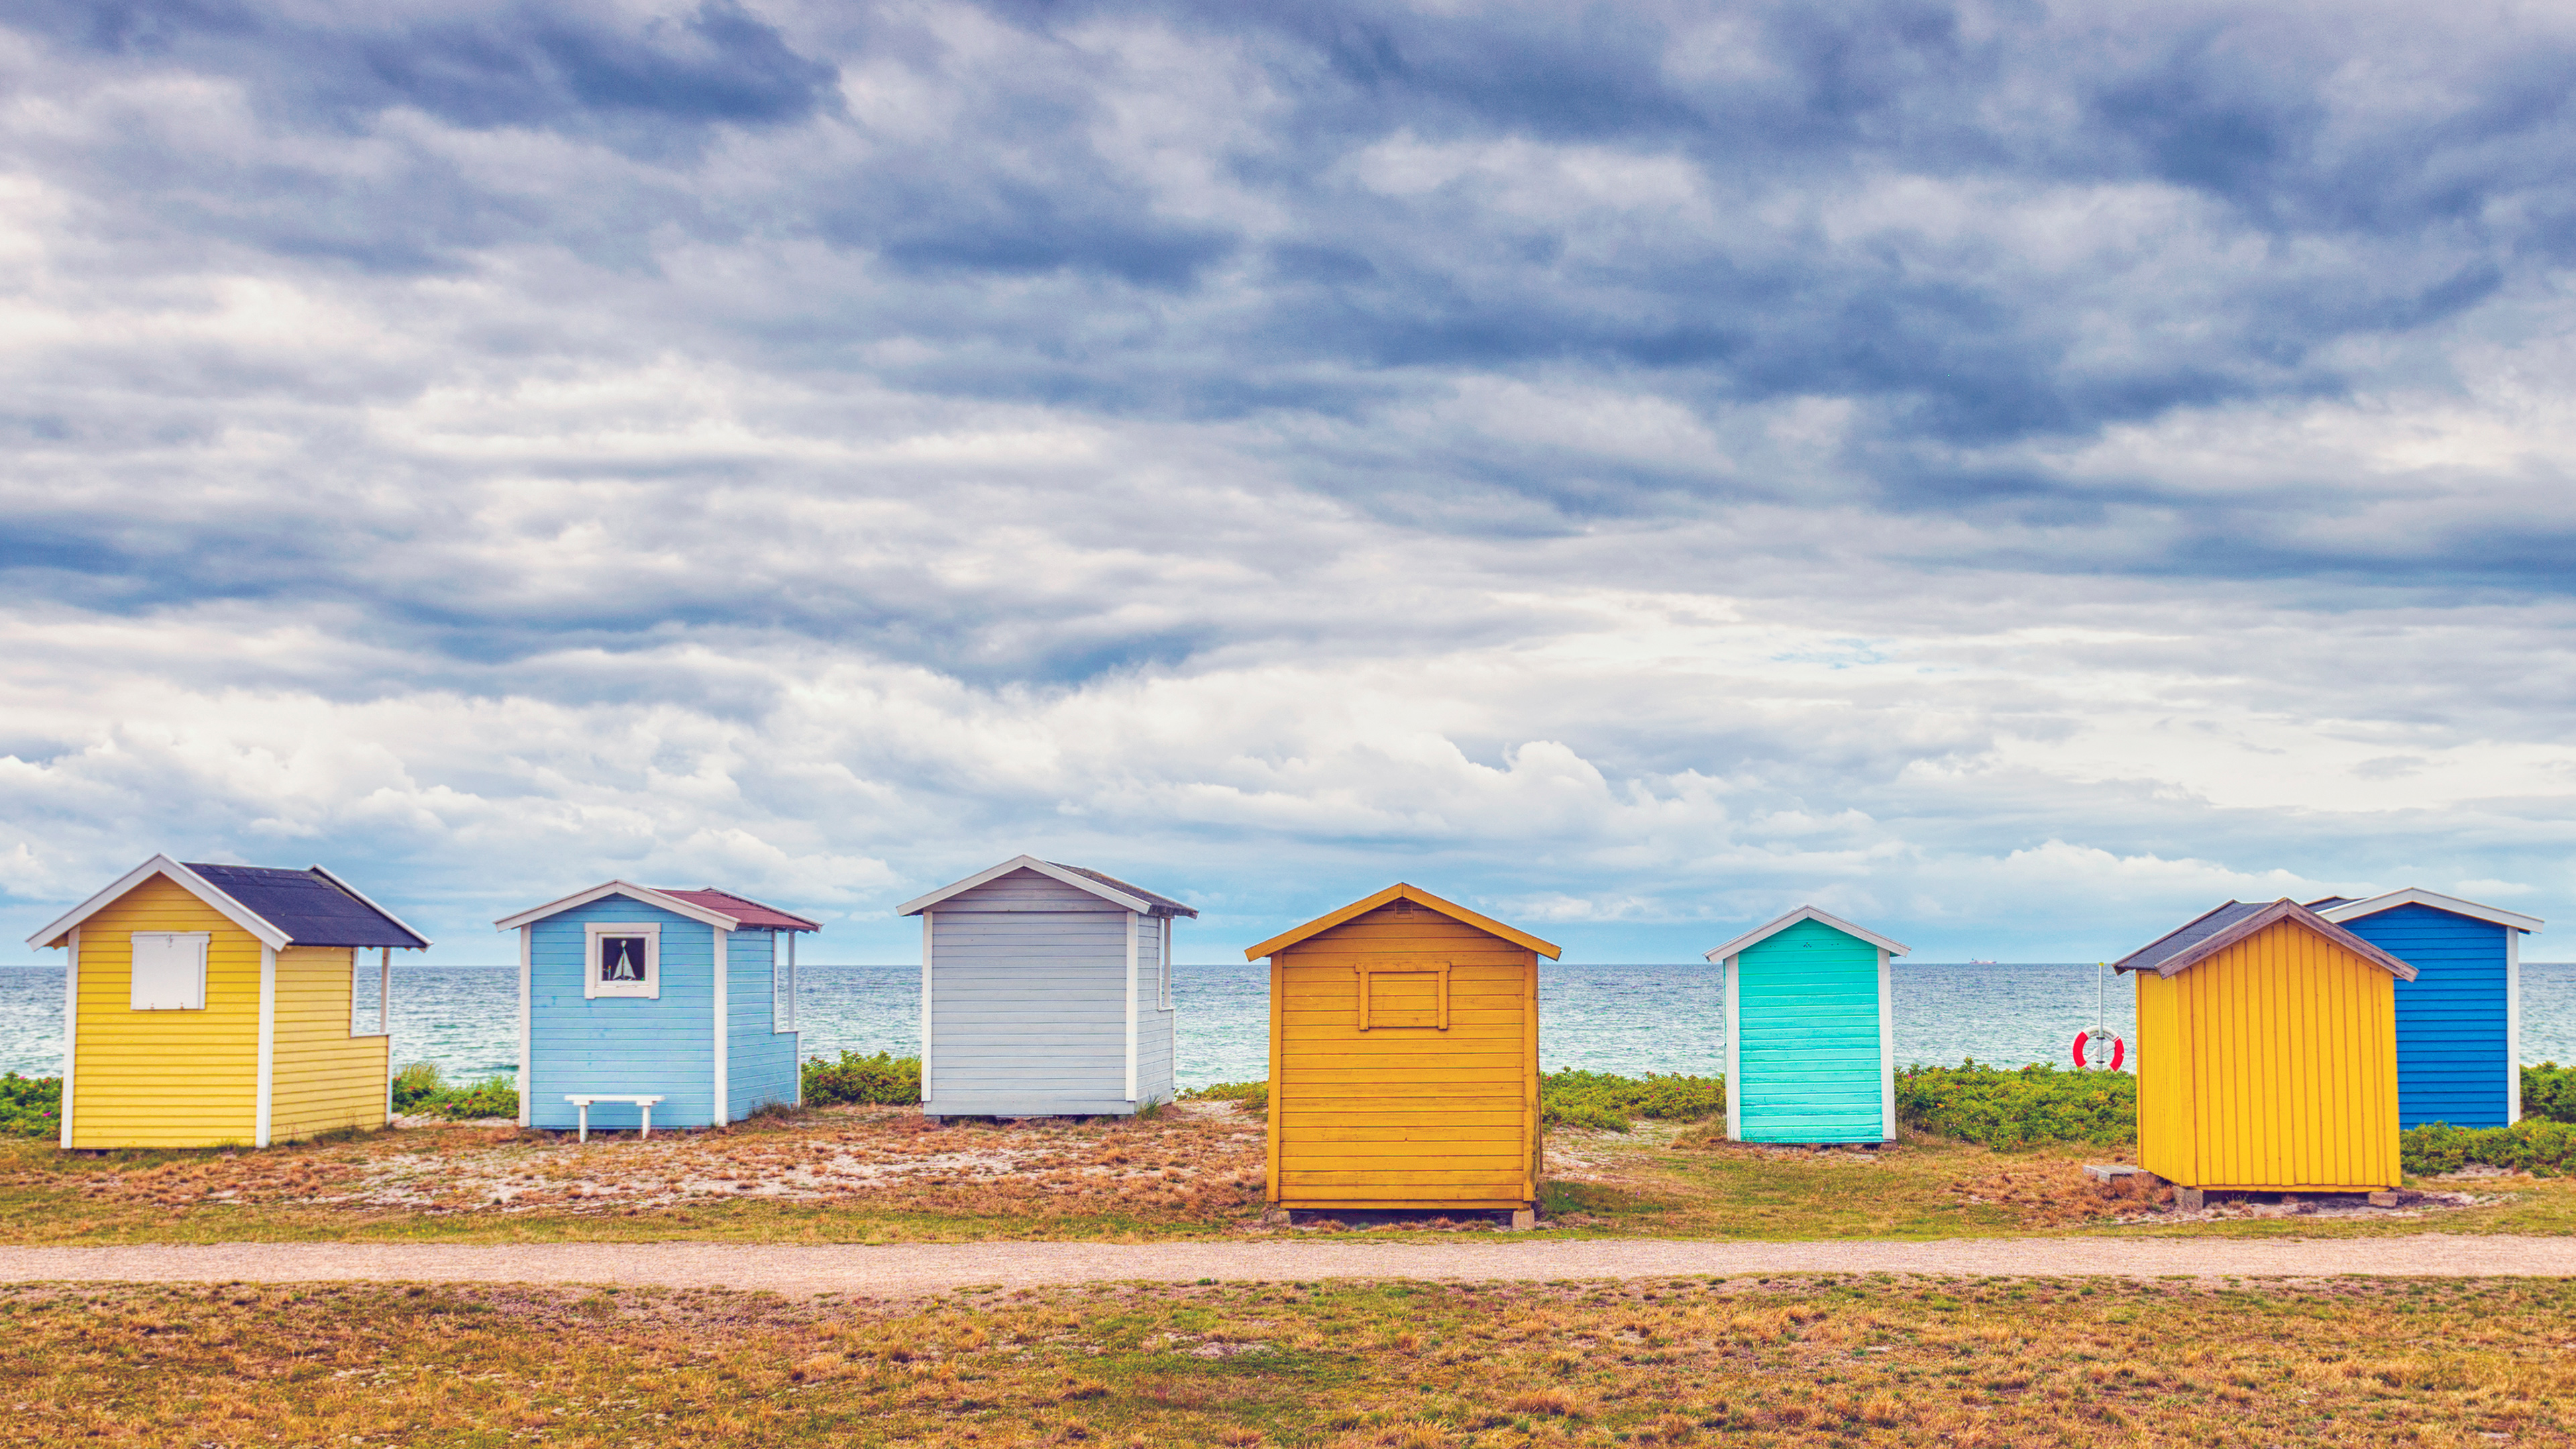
<point x="324" y="1077"/>
<point x="760" y="1061"/>
<point x="1404" y="1117"/>
<point x="2453" y="1062"/>
<point x="1808" y="1065"/>
<point x="165" y="1078"/>
<point x="1028" y="1001"/>
<point x="625" y="1045"/>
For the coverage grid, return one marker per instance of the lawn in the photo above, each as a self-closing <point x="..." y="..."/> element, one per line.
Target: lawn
<point x="881" y="1174"/>
<point x="1757" y="1362"/>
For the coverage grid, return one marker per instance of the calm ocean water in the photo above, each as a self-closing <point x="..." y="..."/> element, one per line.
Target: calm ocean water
<point x="1626" y="1019"/>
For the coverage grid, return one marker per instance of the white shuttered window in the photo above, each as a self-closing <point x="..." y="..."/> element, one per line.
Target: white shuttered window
<point x="170" y="970"/>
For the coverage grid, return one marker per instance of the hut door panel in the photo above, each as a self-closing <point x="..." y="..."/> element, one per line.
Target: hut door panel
<point x="1807" y="1005"/>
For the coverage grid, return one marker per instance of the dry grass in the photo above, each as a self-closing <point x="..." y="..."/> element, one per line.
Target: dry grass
<point x="1778" y="1363"/>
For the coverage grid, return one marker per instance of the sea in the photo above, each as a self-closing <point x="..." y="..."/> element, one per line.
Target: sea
<point x="1606" y="1018"/>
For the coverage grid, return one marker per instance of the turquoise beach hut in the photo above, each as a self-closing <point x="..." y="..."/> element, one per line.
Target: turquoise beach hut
<point x="655" y="1008"/>
<point x="1810" y="1032"/>
<point x="2459" y="1022"/>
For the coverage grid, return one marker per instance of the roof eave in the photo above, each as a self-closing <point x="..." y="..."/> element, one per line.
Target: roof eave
<point x="1046" y="868"/>
<point x="404" y="926"/>
<point x="2413" y="896"/>
<point x="2272" y="915"/>
<point x="645" y="894"/>
<point x="185" y="879"/>
<point x="1807" y="913"/>
<point x="1420" y="897"/>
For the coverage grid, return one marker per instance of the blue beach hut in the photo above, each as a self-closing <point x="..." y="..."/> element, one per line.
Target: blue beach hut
<point x="2459" y="1022"/>
<point x="1810" y="1032"/>
<point x="683" y="997"/>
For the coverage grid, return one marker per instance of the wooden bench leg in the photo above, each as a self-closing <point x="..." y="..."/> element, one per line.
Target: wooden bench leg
<point x="585" y="1121"/>
<point x="647" y="1108"/>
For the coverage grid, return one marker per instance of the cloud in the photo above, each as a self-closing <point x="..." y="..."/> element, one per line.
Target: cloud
<point x="2014" y="475"/>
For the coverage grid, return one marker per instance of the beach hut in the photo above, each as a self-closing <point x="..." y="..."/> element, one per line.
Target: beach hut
<point x="205" y="1005"/>
<point x="2459" y="1022"/>
<point x="1404" y="1059"/>
<point x="1044" y="992"/>
<point x="1810" y="1031"/>
<point x="655" y="1008"/>
<point x="2267" y="1053"/>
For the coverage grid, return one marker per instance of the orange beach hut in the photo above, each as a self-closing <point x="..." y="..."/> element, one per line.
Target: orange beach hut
<point x="2267" y="1053"/>
<point x="1404" y="1059"/>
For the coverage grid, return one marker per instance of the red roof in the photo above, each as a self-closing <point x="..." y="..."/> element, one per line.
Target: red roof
<point x="749" y="912"/>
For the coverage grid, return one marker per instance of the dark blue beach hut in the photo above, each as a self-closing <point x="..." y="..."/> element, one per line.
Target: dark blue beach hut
<point x="2459" y="1022"/>
<point x="680" y="1004"/>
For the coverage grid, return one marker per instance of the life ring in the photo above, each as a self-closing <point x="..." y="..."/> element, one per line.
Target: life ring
<point x="2119" y="1050"/>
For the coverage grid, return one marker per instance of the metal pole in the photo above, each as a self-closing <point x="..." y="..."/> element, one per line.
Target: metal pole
<point x="2101" y="1017"/>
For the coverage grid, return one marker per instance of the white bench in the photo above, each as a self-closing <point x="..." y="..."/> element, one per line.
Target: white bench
<point x="584" y="1099"/>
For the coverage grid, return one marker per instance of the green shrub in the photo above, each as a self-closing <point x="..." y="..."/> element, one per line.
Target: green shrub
<point x="1252" y="1099"/>
<point x="30" y="1106"/>
<point x="419" y="1091"/>
<point x="1607" y="1102"/>
<point x="2549" y="1090"/>
<point x="2536" y="1145"/>
<point x="2027" y="1108"/>
<point x="884" y="1079"/>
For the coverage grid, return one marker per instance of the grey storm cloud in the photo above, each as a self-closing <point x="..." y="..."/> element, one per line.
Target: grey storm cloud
<point x="1642" y="461"/>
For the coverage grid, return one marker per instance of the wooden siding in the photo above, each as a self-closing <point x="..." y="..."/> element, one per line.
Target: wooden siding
<point x="1808" y="1060"/>
<point x="165" y="1078"/>
<point x="1153" y="1022"/>
<point x="2270" y="1066"/>
<point x="1404" y="1117"/>
<point x="627" y="1045"/>
<point x="759" y="1059"/>
<point x="323" y="1077"/>
<point x="2453" y="1062"/>
<point x="1028" y="998"/>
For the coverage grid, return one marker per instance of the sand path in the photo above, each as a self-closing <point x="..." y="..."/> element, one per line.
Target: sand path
<point x="914" y="1269"/>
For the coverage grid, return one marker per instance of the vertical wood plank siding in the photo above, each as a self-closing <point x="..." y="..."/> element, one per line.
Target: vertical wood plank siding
<point x="325" y="1078"/>
<point x="2270" y="1066"/>
<point x="760" y="1059"/>
<point x="1407" y="1117"/>
<point x="1028" y="1013"/>
<point x="630" y="1045"/>
<point x="165" y="1078"/>
<point x="1809" y="1064"/>
<point x="2453" y="1058"/>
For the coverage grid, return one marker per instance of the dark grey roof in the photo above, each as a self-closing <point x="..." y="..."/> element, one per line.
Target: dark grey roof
<point x="310" y="907"/>
<point x="2323" y="902"/>
<point x="2210" y="934"/>
<point x="1163" y="905"/>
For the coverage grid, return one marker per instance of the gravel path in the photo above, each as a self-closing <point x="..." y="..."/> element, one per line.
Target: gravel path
<point x="913" y="1269"/>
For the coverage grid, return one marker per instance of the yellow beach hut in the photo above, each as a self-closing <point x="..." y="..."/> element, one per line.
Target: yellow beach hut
<point x="206" y="1005"/>
<point x="2267" y="1053"/>
<point x="1404" y="1059"/>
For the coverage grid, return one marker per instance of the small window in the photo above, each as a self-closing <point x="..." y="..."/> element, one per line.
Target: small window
<point x="1404" y="995"/>
<point x="622" y="958"/>
<point x="170" y="970"/>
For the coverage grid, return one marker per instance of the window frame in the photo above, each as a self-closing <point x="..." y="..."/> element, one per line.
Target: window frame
<point x="1400" y="966"/>
<point x="204" y="942"/>
<point x="648" y="989"/>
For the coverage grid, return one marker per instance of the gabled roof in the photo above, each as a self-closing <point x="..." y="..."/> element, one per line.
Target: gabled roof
<point x="715" y="916"/>
<point x="2197" y="940"/>
<point x="1108" y="887"/>
<point x="1808" y="913"/>
<point x="2339" y="909"/>
<point x="751" y="913"/>
<point x="309" y="907"/>
<point x="1419" y="897"/>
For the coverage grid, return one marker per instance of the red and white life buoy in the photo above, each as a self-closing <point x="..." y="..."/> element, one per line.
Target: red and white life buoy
<point x="2119" y="1050"/>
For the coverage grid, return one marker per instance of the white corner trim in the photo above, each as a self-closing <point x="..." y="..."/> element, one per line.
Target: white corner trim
<point x="178" y="875"/>
<point x="2355" y="910"/>
<point x="1886" y="1049"/>
<point x="1730" y="982"/>
<point x="71" y="1029"/>
<point x="2512" y="1031"/>
<point x="1164" y="972"/>
<point x="1048" y="869"/>
<point x="267" y="1045"/>
<point x="724" y="1022"/>
<point x="1132" y="919"/>
<point x="631" y="891"/>
<point x="926" y="918"/>
<point x="1806" y="913"/>
<point x="527" y="1004"/>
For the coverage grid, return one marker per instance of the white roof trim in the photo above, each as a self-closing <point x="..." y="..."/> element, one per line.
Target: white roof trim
<point x="186" y="880"/>
<point x="371" y="905"/>
<point x="2355" y="910"/>
<point x="646" y="894"/>
<point x="1024" y="862"/>
<point x="1808" y="913"/>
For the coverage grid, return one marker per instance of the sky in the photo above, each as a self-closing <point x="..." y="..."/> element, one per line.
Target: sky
<point x="2013" y="476"/>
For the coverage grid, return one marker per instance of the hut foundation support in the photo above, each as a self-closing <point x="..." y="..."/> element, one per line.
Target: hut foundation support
<point x="1524" y="1219"/>
<point x="2189" y="1199"/>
